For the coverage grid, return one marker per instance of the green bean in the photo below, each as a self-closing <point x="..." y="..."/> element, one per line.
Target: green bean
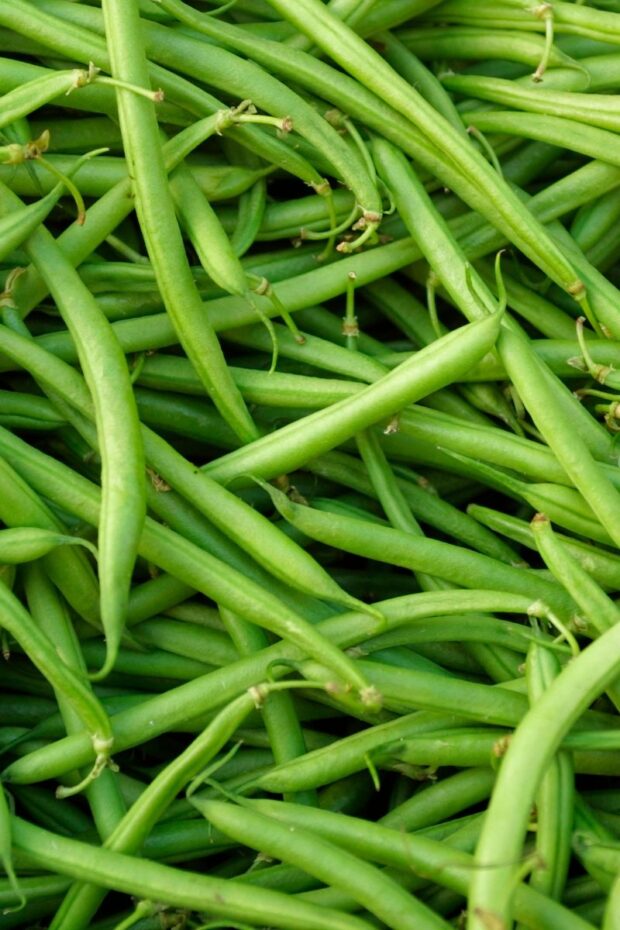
<point x="44" y="886"/>
<point x="18" y="622"/>
<point x="82" y="900"/>
<point x="556" y="427"/>
<point x="600" y="611"/>
<point x="556" y="710"/>
<point x="155" y="209"/>
<point x="567" y="17"/>
<point x="61" y="816"/>
<point x="156" y="595"/>
<point x="469" y="628"/>
<point x="174" y="886"/>
<point x="68" y="567"/>
<point x="25" y="544"/>
<point x="16" y="227"/>
<point x="186" y="639"/>
<point x="449" y="867"/>
<point x="339" y="869"/>
<point x="107" y="377"/>
<point x="321" y="431"/>
<point x="610" y="918"/>
<point x="480" y="43"/>
<point x="427" y="555"/>
<point x="252" y="205"/>
<point x="168" y="373"/>
<point x="600" y="564"/>
<point x="405" y="63"/>
<point x="67" y="135"/>
<point x="427" y="507"/>
<point x="162" y="666"/>
<point x="591" y="109"/>
<point x="218" y="182"/>
<point x="6" y="857"/>
<point x="27" y="411"/>
<point x="441" y="800"/>
<point x="555" y="130"/>
<point x="23" y="100"/>
<point x="555" y="798"/>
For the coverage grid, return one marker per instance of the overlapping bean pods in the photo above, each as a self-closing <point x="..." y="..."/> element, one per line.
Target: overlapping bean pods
<point x="309" y="464"/>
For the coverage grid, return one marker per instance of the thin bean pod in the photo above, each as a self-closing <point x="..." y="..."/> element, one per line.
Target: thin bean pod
<point x="520" y="774"/>
<point x="107" y="376"/>
<point x="339" y="869"/>
<point x="321" y="431"/>
<point x="174" y="886"/>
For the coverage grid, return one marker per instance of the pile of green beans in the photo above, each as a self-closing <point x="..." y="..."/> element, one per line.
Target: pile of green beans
<point x="309" y="465"/>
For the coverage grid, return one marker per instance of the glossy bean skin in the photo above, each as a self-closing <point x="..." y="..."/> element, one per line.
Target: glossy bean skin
<point x="555" y="799"/>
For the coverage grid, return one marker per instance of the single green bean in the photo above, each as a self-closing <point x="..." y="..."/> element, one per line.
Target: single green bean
<point x="427" y="555"/>
<point x="158" y="224"/>
<point x="174" y="886"/>
<point x="25" y="544"/>
<point x="556" y="426"/>
<point x="521" y="772"/>
<point x="107" y="376"/>
<point x="600" y="564"/>
<point x="6" y="856"/>
<point x="290" y="446"/>
<point x="480" y="43"/>
<point x="373" y="889"/>
<point x="555" y="799"/>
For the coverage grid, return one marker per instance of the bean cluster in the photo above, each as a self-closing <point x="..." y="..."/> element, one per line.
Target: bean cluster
<point x="309" y="484"/>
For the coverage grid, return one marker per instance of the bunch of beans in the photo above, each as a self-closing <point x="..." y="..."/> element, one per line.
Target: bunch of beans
<point x="309" y="484"/>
